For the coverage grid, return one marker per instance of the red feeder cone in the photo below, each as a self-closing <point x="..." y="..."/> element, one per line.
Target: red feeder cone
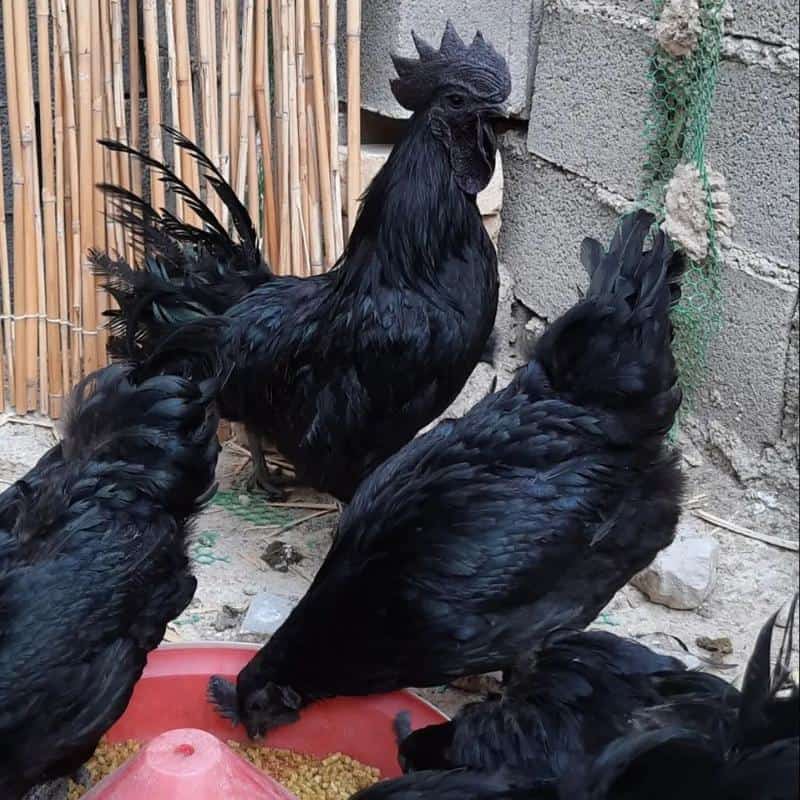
<point x="188" y="764"/>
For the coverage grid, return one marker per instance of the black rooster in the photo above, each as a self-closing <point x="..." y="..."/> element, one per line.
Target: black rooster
<point x="487" y="533"/>
<point x="701" y="745"/>
<point x="341" y="370"/>
<point x="568" y="698"/>
<point x="93" y="561"/>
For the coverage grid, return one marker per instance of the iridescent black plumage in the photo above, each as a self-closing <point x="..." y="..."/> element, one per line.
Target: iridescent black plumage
<point x="93" y="561"/>
<point x="707" y="740"/>
<point x="342" y="369"/>
<point x="460" y="785"/>
<point x="566" y="699"/>
<point x="488" y="532"/>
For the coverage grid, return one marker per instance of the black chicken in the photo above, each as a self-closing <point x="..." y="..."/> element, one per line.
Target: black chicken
<point x="341" y="370"/>
<point x="485" y="534"/>
<point x="93" y="561"/>
<point x="568" y="698"/>
<point x="706" y="746"/>
<point x="459" y="785"/>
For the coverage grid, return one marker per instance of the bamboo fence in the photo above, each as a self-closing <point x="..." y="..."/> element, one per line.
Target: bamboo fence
<point x="254" y="82"/>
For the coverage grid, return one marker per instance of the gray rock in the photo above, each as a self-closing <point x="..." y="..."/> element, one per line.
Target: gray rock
<point x="226" y="618"/>
<point x="683" y="575"/>
<point x="267" y="612"/>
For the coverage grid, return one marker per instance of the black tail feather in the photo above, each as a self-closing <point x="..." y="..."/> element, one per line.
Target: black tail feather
<point x="613" y="349"/>
<point x="763" y="680"/>
<point x="188" y="272"/>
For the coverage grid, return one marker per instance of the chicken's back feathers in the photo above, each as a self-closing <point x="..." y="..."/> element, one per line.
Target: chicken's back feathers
<point x="567" y="698"/>
<point x="459" y="785"/>
<point x="675" y="762"/>
<point x="93" y="557"/>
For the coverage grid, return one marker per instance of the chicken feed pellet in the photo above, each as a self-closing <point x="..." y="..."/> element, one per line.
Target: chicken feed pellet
<point x="107" y="758"/>
<point x="337" y="777"/>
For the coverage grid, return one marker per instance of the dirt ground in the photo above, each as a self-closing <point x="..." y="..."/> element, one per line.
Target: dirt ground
<point x="754" y="578"/>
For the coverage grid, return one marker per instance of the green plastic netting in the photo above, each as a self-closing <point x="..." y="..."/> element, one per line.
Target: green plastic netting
<point x="683" y="75"/>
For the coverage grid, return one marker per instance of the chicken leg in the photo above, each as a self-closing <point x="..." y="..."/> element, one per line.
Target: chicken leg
<point x="261" y="480"/>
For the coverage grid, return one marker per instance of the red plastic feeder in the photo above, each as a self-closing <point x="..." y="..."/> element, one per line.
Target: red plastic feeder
<point x="189" y="764"/>
<point x="171" y="699"/>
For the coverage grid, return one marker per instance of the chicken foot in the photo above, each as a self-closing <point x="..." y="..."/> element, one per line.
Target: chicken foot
<point x="261" y="479"/>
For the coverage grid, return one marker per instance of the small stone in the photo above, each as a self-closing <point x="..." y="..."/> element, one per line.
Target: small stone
<point x="267" y="612"/>
<point x="679" y="27"/>
<point x="718" y="647"/>
<point x="244" y="499"/>
<point x="226" y="618"/>
<point x="280" y="556"/>
<point x="683" y="575"/>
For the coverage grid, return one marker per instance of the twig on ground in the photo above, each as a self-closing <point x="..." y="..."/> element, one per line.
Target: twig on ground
<point x="733" y="527"/>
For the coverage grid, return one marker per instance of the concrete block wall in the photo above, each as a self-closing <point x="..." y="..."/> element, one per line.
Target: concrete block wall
<point x="387" y="26"/>
<point x="573" y="162"/>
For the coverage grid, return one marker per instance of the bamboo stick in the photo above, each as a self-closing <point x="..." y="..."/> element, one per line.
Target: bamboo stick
<point x="226" y="40"/>
<point x="247" y="125"/>
<point x="213" y="67"/>
<point x="113" y="160"/>
<point x="206" y="53"/>
<point x="187" y="124"/>
<point x="225" y="91"/>
<point x="115" y="238"/>
<point x="233" y="87"/>
<point x="19" y="327"/>
<point x="54" y="374"/>
<point x="285" y="260"/>
<point x="315" y="215"/>
<point x="353" y="110"/>
<point x="120" y="116"/>
<point x="252" y="158"/>
<point x="65" y="51"/>
<point x="269" y="224"/>
<point x="324" y="187"/>
<point x="302" y="124"/>
<point x="172" y="80"/>
<point x="295" y="198"/>
<point x="253" y="199"/>
<point x="100" y="235"/>
<point x="61" y="209"/>
<point x="134" y="78"/>
<point x="98" y="126"/>
<point x="154" y="120"/>
<point x="333" y="122"/>
<point x="245" y="98"/>
<point x="86" y="186"/>
<point x="5" y="290"/>
<point x="36" y="349"/>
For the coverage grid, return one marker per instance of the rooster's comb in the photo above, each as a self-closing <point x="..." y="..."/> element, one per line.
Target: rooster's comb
<point x="477" y="67"/>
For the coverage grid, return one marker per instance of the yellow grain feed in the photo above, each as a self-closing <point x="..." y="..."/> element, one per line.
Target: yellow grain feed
<point x="337" y="777"/>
